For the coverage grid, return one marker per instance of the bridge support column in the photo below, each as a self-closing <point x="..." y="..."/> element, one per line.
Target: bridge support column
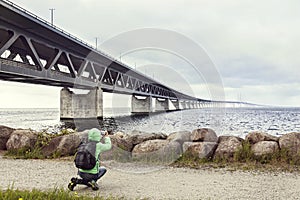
<point x="141" y="105"/>
<point x="188" y="104"/>
<point x="84" y="106"/>
<point x="183" y="105"/>
<point x="175" y="103"/>
<point x="161" y="104"/>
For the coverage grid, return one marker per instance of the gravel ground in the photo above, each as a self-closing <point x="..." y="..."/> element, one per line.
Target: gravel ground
<point x="135" y="182"/>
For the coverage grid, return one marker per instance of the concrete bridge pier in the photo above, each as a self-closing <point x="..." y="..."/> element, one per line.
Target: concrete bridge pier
<point x="161" y="105"/>
<point x="188" y="104"/>
<point x="175" y="103"/>
<point x="141" y="105"/>
<point x="77" y="106"/>
<point x="183" y="105"/>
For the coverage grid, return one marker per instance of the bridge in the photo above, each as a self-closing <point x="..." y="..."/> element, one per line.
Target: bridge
<point x="34" y="51"/>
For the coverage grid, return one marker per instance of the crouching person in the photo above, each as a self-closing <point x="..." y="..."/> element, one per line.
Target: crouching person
<point x="87" y="160"/>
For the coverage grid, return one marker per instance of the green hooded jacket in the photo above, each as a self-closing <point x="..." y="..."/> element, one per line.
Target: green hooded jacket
<point x="95" y="135"/>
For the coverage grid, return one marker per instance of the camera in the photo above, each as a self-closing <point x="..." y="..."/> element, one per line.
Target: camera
<point x="103" y="133"/>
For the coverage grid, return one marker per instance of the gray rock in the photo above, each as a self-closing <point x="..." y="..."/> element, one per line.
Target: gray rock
<point x="124" y="143"/>
<point x="149" y="146"/>
<point x="180" y="137"/>
<point x="121" y="147"/>
<point x="227" y="146"/>
<point x="200" y="149"/>
<point x="49" y="149"/>
<point x="83" y="135"/>
<point x="21" y="138"/>
<point x="204" y="135"/>
<point x="5" y="133"/>
<point x="255" y="137"/>
<point x="138" y="137"/>
<point x="290" y="142"/>
<point x="68" y="145"/>
<point x="65" y="145"/>
<point x="161" y="151"/>
<point x="265" y="147"/>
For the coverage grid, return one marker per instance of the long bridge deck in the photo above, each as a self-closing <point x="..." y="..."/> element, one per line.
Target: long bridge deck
<point x="34" y="51"/>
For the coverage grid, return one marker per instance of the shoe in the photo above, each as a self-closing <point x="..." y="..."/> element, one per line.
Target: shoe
<point x="72" y="184"/>
<point x="93" y="185"/>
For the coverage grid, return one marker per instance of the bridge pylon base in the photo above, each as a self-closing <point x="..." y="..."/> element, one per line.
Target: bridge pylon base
<point x="141" y="105"/>
<point x="81" y="106"/>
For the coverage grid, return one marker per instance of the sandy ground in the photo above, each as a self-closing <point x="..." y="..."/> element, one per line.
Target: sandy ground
<point x="154" y="183"/>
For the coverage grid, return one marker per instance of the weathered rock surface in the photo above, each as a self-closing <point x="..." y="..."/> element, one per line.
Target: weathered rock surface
<point x="83" y="135"/>
<point x="255" y="137"/>
<point x="138" y="137"/>
<point x="5" y="133"/>
<point x="265" y="147"/>
<point x="51" y="147"/>
<point x="227" y="146"/>
<point x="204" y="135"/>
<point x="21" y="138"/>
<point x="121" y="147"/>
<point x="180" y="137"/>
<point x="65" y="145"/>
<point x="149" y="146"/>
<point x="200" y="149"/>
<point x="68" y="145"/>
<point x="291" y="142"/>
<point x="158" y="151"/>
<point x="124" y="142"/>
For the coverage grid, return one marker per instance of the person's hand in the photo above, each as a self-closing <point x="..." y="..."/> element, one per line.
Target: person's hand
<point x="106" y="134"/>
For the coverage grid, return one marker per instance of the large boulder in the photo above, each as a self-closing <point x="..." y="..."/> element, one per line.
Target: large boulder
<point x="149" y="146"/>
<point x="200" y="149"/>
<point x="121" y="147"/>
<point x="290" y="142"/>
<point x="264" y="148"/>
<point x="68" y="145"/>
<point x="51" y="148"/>
<point x="172" y="151"/>
<point x="83" y="135"/>
<point x="227" y="146"/>
<point x="122" y="140"/>
<point x="204" y="135"/>
<point x="5" y="133"/>
<point x="138" y="137"/>
<point x="180" y="137"/>
<point x="21" y="138"/>
<point x="65" y="145"/>
<point x="255" y="137"/>
<point x="156" y="151"/>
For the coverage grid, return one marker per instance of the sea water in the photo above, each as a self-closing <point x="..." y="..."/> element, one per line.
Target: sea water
<point x="225" y="121"/>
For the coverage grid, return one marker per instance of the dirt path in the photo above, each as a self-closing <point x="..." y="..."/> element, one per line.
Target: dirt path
<point x="166" y="183"/>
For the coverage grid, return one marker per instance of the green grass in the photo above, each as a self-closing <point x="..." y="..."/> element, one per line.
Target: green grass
<point x="61" y="194"/>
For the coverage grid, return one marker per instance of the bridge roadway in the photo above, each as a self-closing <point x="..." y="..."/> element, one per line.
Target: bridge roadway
<point x="34" y="51"/>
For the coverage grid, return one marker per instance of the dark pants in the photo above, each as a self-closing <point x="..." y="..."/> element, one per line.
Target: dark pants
<point x="95" y="177"/>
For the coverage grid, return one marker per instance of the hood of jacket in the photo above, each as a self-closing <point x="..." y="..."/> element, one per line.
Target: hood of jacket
<point x="94" y="135"/>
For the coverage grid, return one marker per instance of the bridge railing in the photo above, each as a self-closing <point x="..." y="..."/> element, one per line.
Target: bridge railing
<point x="45" y="22"/>
<point x="63" y="32"/>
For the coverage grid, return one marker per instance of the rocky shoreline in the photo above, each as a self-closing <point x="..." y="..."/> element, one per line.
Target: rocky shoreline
<point x="202" y="143"/>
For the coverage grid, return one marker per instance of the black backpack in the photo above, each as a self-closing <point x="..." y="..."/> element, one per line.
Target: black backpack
<point x="85" y="156"/>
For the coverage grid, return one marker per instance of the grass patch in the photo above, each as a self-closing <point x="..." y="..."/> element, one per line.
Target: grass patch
<point x="11" y="194"/>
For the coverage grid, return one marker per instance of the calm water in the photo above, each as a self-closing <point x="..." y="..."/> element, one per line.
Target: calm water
<point x="229" y="121"/>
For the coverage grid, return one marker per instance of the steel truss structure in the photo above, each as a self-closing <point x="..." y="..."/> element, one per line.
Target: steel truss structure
<point x="34" y="51"/>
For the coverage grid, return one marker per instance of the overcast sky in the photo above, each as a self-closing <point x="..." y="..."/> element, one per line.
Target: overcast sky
<point x="254" y="45"/>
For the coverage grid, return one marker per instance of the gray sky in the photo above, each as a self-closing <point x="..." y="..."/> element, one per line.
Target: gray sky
<point x="255" y="44"/>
